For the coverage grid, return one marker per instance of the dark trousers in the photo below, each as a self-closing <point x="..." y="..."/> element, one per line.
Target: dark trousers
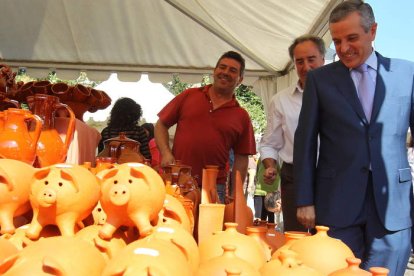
<point x="372" y="243"/>
<point x="288" y="193"/>
<point x="260" y="211"/>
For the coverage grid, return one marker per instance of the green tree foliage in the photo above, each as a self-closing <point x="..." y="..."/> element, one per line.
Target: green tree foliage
<point x="244" y="94"/>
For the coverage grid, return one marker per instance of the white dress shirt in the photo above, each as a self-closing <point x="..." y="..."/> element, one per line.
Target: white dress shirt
<point x="282" y="120"/>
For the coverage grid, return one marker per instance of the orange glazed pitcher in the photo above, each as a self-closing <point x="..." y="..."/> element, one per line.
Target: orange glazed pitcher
<point x="50" y="147"/>
<point x="16" y="142"/>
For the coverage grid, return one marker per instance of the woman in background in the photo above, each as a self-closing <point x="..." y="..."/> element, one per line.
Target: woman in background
<point x="124" y="117"/>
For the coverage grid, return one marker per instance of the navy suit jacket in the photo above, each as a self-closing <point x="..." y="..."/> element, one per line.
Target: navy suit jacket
<point x="335" y="179"/>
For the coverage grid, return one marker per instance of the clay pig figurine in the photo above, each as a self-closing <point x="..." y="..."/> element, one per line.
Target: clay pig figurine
<point x="55" y="256"/>
<point x="132" y="195"/>
<point x="62" y="195"/>
<point x="14" y="192"/>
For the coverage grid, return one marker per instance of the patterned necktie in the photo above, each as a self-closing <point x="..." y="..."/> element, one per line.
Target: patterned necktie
<point x="366" y="90"/>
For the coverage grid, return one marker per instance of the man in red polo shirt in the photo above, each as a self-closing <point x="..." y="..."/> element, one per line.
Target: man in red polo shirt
<point x="210" y="122"/>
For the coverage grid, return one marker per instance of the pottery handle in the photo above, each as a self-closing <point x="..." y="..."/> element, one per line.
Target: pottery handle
<point x="71" y="125"/>
<point x="35" y="135"/>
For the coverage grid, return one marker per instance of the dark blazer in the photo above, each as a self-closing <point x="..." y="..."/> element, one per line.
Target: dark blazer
<point x="335" y="181"/>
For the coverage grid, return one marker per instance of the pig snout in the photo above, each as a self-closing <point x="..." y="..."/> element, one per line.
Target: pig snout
<point x="47" y="197"/>
<point x="119" y="195"/>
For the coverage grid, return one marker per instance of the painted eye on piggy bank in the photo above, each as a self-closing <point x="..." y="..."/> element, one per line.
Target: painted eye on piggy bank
<point x="132" y="194"/>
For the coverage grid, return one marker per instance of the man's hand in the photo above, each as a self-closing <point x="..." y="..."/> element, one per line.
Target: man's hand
<point x="306" y="216"/>
<point x="269" y="175"/>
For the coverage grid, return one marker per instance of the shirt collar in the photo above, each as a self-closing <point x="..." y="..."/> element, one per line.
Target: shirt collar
<point x="297" y="89"/>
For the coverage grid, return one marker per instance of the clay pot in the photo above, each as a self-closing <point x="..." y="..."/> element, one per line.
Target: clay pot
<point x="352" y="269"/>
<point x="106" y="101"/>
<point x="180" y="237"/>
<point x="332" y="253"/>
<point x="133" y="194"/>
<point x="104" y="163"/>
<point x="57" y="256"/>
<point x="379" y="271"/>
<point x="62" y="91"/>
<point x="210" y="220"/>
<point x="275" y="238"/>
<point x="246" y="247"/>
<point x="108" y="248"/>
<point x="95" y="98"/>
<point x="124" y="149"/>
<point x="228" y="261"/>
<point x="149" y="257"/>
<point x="42" y="87"/>
<point x="24" y="91"/>
<point x="174" y="213"/>
<point x="50" y="147"/>
<point x="290" y="238"/>
<point x="7" y="249"/>
<point x="78" y="108"/>
<point x="258" y="233"/>
<point x="6" y="103"/>
<point x="290" y="265"/>
<point x="62" y="195"/>
<point x="80" y="93"/>
<point x="16" y="142"/>
<point x="14" y="192"/>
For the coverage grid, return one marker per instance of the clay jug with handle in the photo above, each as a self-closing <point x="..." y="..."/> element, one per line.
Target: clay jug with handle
<point x="16" y="142"/>
<point x="51" y="149"/>
<point x="124" y="149"/>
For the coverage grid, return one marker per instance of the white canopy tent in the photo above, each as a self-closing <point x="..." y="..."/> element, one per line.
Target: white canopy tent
<point x="159" y="37"/>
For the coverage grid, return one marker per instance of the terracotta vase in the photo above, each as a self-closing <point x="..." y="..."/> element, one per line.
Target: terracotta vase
<point x="124" y="149"/>
<point x="78" y="108"/>
<point x="237" y="209"/>
<point x="332" y="253"/>
<point x="55" y="256"/>
<point x="291" y="265"/>
<point x="290" y="238"/>
<point x="379" y="271"/>
<point x="352" y="269"/>
<point x="16" y="141"/>
<point x="149" y="257"/>
<point x="228" y="261"/>
<point x="103" y="163"/>
<point x="62" y="91"/>
<point x="50" y="147"/>
<point x="15" y="182"/>
<point x="23" y="92"/>
<point x="208" y="186"/>
<point x="258" y="233"/>
<point x="246" y="247"/>
<point x="210" y="220"/>
<point x="62" y="195"/>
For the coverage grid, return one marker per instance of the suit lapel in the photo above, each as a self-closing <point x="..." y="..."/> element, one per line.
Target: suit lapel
<point x="344" y="83"/>
<point x="382" y="74"/>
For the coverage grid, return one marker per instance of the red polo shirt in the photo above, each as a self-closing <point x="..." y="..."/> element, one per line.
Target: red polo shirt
<point x="205" y="136"/>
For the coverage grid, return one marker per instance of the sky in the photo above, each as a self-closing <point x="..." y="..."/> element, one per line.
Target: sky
<point x="395" y="36"/>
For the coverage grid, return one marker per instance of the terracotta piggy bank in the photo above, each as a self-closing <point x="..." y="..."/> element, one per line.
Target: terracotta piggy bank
<point x="132" y="195"/>
<point x="14" y="192"/>
<point x="62" y="195"/>
<point x="55" y="256"/>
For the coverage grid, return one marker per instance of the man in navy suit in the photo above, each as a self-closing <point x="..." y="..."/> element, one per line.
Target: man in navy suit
<point x="357" y="179"/>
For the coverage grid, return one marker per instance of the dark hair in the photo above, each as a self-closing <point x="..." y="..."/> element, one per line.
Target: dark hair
<point x="236" y="56"/>
<point x="150" y="128"/>
<point x="319" y="43"/>
<point x="124" y="113"/>
<point x="345" y="8"/>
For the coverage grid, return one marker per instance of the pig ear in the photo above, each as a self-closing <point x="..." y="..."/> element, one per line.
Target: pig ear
<point x="42" y="173"/>
<point x="7" y="263"/>
<point x="170" y="213"/>
<point x="119" y="271"/>
<point x="4" y="178"/>
<point x="110" y="173"/>
<point x="52" y="267"/>
<point x="67" y="175"/>
<point x="138" y="174"/>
